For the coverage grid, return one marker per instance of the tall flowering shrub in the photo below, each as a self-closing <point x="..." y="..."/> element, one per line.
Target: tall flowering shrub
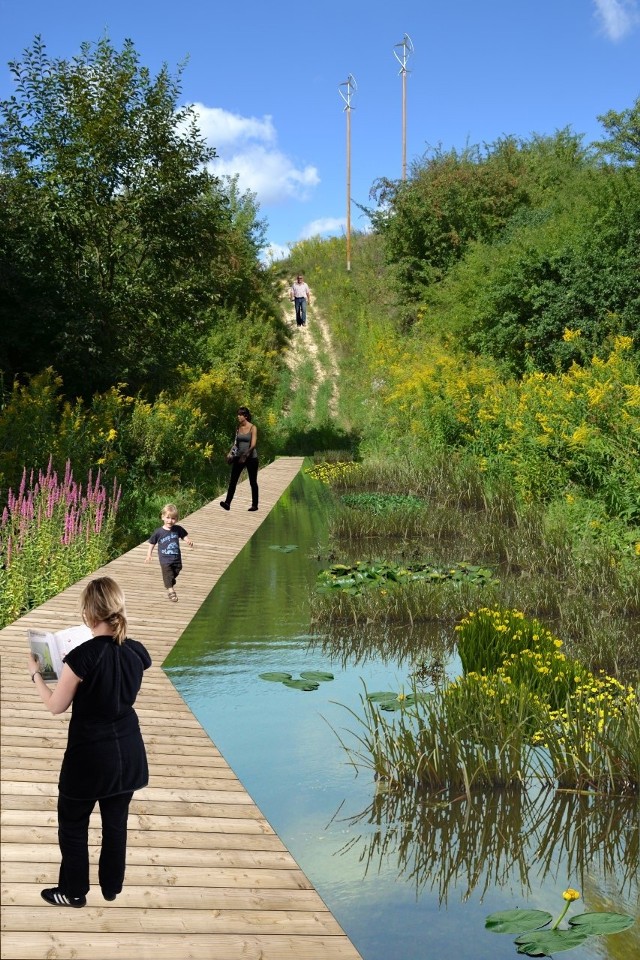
<point x="53" y="531"/>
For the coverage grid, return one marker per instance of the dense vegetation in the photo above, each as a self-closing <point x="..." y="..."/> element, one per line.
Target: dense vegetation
<point x="487" y="331"/>
<point x="136" y="314"/>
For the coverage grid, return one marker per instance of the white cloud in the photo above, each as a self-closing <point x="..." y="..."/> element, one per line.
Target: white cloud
<point x="247" y="148"/>
<point x="269" y="173"/>
<point x="618" y="17"/>
<point x="221" y="128"/>
<point x="323" y="225"/>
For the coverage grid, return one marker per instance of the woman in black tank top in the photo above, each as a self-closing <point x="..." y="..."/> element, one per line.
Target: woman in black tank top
<point x="247" y="456"/>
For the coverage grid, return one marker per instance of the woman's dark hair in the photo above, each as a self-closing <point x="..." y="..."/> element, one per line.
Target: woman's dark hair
<point x="245" y="412"/>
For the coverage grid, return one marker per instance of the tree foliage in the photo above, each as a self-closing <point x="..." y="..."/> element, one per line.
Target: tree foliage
<point x="119" y="248"/>
<point x="453" y="199"/>
<point x="623" y="129"/>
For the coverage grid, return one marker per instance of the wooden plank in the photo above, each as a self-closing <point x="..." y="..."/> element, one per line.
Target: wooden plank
<point x="105" y="946"/>
<point x="207" y="877"/>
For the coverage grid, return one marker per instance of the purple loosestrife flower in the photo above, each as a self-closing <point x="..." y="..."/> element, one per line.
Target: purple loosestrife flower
<point x="99" y="518"/>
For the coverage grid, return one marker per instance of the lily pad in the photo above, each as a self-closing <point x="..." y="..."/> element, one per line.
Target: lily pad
<point x="516" y="921"/>
<point x="301" y="684"/>
<point x="275" y="676"/>
<point x="382" y="696"/>
<point x="546" y="943"/>
<point x="601" y="923"/>
<point x="318" y="675"/>
<point x="286" y="549"/>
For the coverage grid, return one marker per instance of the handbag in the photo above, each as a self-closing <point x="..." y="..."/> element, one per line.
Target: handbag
<point x="232" y="456"/>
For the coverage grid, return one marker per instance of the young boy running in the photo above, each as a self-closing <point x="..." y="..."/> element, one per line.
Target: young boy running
<point x="168" y="538"/>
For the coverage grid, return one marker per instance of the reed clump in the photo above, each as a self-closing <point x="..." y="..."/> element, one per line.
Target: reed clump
<point x="521" y="711"/>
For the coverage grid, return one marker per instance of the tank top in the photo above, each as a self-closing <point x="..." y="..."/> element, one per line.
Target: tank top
<point x="244" y="442"/>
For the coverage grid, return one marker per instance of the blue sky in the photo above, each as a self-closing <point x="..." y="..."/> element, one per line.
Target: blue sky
<point x="265" y="78"/>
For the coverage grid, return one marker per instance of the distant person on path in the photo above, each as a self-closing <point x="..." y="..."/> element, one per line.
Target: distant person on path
<point x="301" y="296"/>
<point x="105" y="759"/>
<point x="168" y="538"/>
<point x="247" y="456"/>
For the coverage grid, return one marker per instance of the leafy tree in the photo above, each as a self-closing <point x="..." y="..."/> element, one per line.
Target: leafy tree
<point x="561" y="283"/>
<point x="453" y="199"/>
<point x="623" y="129"/>
<point x="114" y="236"/>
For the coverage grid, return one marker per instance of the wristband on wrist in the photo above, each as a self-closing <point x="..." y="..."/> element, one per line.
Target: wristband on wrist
<point x="36" y="673"/>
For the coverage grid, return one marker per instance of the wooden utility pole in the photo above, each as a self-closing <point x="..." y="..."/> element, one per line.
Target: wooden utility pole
<point x="350" y="88"/>
<point x="407" y="49"/>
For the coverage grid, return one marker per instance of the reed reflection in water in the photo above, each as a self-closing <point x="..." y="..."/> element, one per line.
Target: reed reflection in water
<point x="502" y="839"/>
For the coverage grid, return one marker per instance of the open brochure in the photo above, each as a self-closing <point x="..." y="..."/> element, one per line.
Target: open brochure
<point x="49" y="649"/>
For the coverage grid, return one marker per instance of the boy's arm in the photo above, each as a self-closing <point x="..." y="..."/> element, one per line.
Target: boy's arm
<point x="187" y="539"/>
<point x="149" y="553"/>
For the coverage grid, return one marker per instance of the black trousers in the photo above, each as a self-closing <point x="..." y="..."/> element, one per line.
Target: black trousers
<point x="73" y="837"/>
<point x="236" y="469"/>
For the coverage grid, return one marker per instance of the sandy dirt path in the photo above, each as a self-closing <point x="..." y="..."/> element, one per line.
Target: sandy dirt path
<point x="313" y="342"/>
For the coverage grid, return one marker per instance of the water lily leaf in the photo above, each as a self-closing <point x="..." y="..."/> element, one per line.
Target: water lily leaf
<point x="289" y="547"/>
<point x="319" y="675"/>
<point x="601" y="923"/>
<point x="515" y="921"/>
<point x="381" y="696"/>
<point x="275" y="676"/>
<point x="301" y="684"/>
<point x="546" y="943"/>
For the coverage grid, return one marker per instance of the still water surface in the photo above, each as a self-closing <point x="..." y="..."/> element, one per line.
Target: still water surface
<point x="403" y="881"/>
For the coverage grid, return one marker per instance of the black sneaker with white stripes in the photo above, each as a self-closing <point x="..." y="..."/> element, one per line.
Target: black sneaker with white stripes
<point x="57" y="898"/>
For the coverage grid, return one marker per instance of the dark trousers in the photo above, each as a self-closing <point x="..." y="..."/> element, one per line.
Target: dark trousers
<point x="301" y="310"/>
<point x="170" y="573"/>
<point x="73" y="837"/>
<point x="236" y="469"/>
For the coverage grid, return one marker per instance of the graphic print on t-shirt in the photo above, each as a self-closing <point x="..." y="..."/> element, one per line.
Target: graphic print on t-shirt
<point x="168" y="543"/>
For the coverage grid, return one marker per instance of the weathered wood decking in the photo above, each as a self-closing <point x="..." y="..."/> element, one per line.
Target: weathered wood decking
<point x="207" y="877"/>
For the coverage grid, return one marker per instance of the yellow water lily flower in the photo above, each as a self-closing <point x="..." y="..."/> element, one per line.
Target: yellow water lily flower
<point x="570" y="894"/>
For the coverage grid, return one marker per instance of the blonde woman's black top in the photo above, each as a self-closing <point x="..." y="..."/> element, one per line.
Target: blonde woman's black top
<point x="105" y="752"/>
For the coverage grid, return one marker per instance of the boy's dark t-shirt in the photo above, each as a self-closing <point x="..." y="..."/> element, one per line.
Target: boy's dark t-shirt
<point x="168" y="542"/>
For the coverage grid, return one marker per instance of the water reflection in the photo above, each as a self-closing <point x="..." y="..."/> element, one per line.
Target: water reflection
<point x="425" y="651"/>
<point x="456" y="862"/>
<point x="501" y="839"/>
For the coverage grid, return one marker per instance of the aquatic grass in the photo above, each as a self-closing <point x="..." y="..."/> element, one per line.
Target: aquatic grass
<point x="485" y="732"/>
<point x="462" y="738"/>
<point x="417" y="602"/>
<point x="382" y="503"/>
<point x="525" y="711"/>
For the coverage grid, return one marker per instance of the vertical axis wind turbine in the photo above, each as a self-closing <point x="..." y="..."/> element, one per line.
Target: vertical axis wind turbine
<point x="350" y="88"/>
<point x="407" y="49"/>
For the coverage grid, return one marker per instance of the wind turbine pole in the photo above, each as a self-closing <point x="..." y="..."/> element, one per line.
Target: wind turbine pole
<point x="407" y="49"/>
<point x="350" y="87"/>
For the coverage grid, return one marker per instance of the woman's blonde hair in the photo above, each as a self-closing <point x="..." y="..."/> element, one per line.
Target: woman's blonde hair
<point x="103" y="600"/>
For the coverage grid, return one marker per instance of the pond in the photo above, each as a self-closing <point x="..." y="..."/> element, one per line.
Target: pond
<point x="404" y="878"/>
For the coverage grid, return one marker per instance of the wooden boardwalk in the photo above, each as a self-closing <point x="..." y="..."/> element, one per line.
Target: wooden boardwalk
<point x="207" y="877"/>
